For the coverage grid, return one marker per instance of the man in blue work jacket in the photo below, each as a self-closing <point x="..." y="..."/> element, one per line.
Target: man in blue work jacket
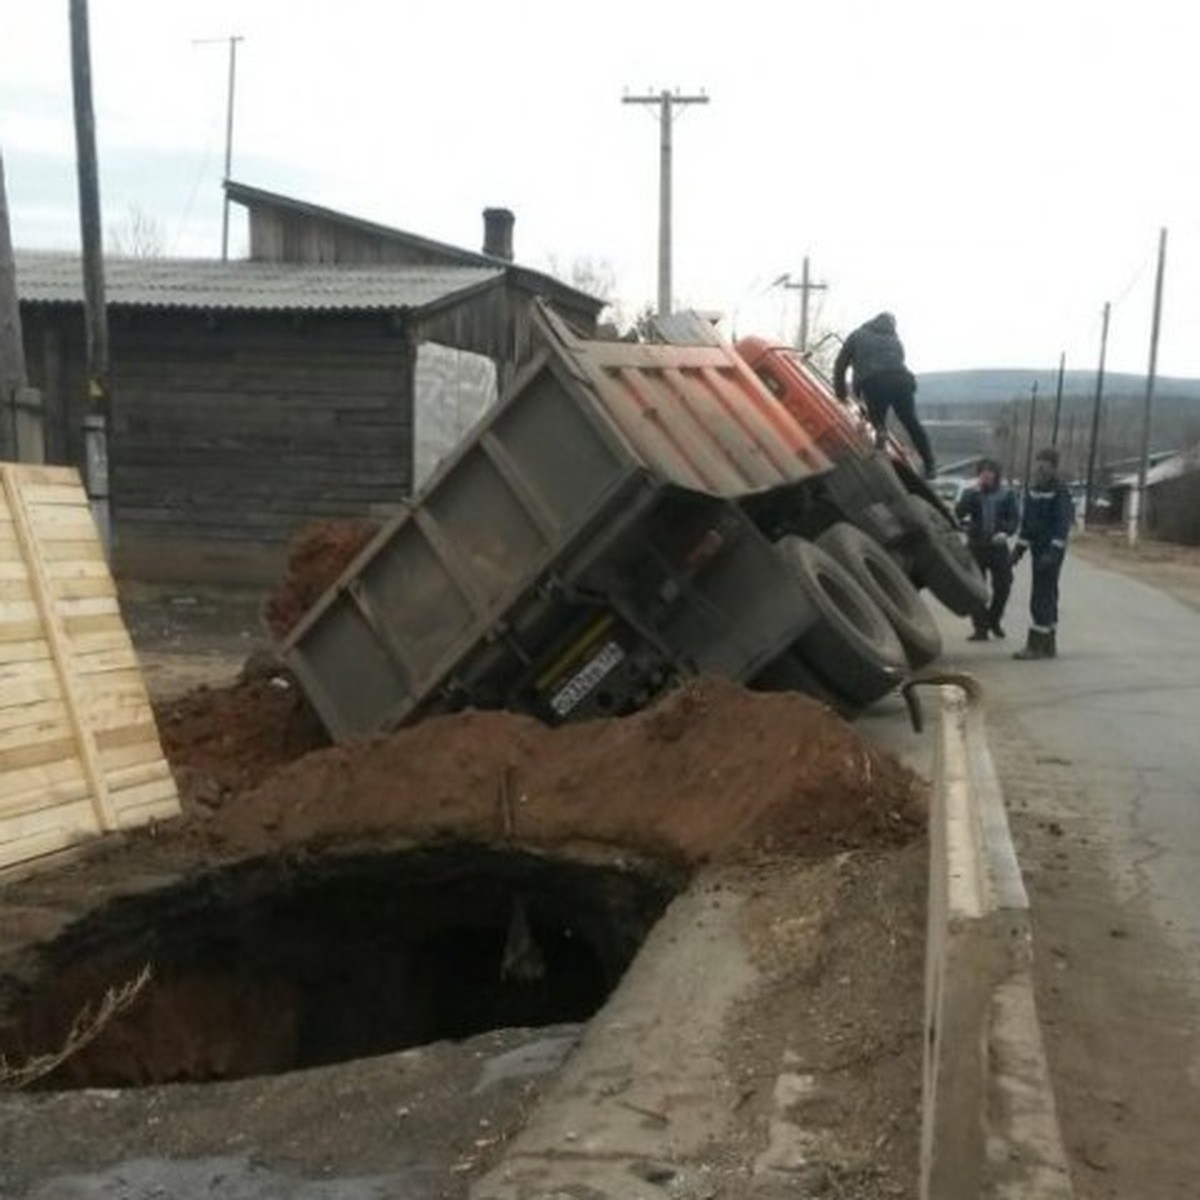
<point x="1045" y="526"/>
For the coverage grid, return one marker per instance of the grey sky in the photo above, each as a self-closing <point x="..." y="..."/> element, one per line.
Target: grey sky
<point x="990" y="173"/>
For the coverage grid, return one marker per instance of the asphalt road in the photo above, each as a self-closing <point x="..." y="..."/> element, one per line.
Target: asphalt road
<point x="1121" y="708"/>
<point x="1098" y="753"/>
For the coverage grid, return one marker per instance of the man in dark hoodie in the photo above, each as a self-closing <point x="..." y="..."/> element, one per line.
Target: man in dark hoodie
<point x="883" y="381"/>
<point x="990" y="515"/>
<point x="1046" y="521"/>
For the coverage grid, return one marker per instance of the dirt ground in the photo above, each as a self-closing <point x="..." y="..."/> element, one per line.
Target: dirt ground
<point x="1170" y="568"/>
<point x="823" y="834"/>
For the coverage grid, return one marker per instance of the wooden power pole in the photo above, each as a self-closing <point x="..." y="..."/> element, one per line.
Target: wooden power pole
<point x="1137" y="513"/>
<point x="1033" y="393"/>
<point x="1058" y="398"/>
<point x="1094" y="436"/>
<point x="666" y="102"/>
<point x="97" y="420"/>
<point x="805" y="287"/>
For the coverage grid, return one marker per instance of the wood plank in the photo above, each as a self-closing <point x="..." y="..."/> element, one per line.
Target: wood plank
<point x="27" y="856"/>
<point x="78" y="570"/>
<point x="120" y="717"/>
<point x="59" y="650"/>
<point x="33" y="782"/>
<point x="145" y="732"/>
<point x="120" y="758"/>
<point x="22" y="652"/>
<point x="156" y="791"/>
<point x="37" y="753"/>
<point x="73" y="815"/>
<point x="90" y="643"/>
<point x="14" y="570"/>
<point x="98" y="606"/>
<point x="99" y="662"/>
<point x="108" y="623"/>
<point x="31" y="734"/>
<point x="161" y="808"/>
<point x="12" y="590"/>
<point x="49" y="476"/>
<point x="85" y="588"/>
<point x="112" y="689"/>
<point x="127" y="779"/>
<point x="27" y="671"/>
<point x="36" y="691"/>
<point x="18" y="612"/>
<point x="81" y="550"/>
<point x="21" y="716"/>
<point x="53" y="493"/>
<point x="20" y="631"/>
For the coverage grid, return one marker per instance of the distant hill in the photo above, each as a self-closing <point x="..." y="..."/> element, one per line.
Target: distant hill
<point x="1000" y="386"/>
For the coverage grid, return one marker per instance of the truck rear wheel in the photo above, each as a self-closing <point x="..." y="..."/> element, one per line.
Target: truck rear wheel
<point x="851" y="646"/>
<point x="944" y="564"/>
<point x="790" y="673"/>
<point x="883" y="580"/>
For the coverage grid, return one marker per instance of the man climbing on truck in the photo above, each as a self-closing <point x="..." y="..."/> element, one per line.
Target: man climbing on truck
<point x="883" y="381"/>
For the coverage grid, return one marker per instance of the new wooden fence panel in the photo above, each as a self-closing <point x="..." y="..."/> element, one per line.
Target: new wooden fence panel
<point x="79" y="750"/>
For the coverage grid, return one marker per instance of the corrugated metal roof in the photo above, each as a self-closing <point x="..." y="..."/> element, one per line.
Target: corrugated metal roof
<point x="54" y="278"/>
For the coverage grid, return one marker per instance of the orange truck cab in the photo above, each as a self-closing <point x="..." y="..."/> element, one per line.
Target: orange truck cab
<point x="882" y="493"/>
<point x="839" y="428"/>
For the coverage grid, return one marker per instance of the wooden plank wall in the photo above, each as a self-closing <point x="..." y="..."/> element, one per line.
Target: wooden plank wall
<point x="79" y="750"/>
<point x="230" y="430"/>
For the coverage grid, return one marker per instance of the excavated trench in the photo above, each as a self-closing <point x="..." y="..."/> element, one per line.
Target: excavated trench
<point x="269" y="966"/>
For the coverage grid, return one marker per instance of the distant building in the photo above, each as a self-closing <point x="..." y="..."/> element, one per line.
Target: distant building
<point x="324" y="376"/>
<point x="1172" y="496"/>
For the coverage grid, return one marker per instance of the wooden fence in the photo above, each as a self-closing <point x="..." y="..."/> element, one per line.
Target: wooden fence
<point x="79" y="750"/>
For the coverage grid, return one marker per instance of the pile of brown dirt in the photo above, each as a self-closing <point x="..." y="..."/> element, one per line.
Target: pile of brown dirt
<point x="221" y="741"/>
<point x="713" y="773"/>
<point x="319" y="552"/>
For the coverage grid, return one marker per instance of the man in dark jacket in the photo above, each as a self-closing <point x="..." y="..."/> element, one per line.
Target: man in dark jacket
<point x="1046" y="524"/>
<point x="990" y="514"/>
<point x="883" y="381"/>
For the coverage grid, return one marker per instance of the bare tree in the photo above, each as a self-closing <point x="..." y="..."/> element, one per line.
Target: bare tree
<point x="139" y="236"/>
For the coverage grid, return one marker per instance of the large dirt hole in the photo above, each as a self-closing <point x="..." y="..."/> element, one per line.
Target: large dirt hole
<point x="268" y="967"/>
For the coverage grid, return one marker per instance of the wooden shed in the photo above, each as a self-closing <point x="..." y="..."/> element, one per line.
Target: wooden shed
<point x="325" y="376"/>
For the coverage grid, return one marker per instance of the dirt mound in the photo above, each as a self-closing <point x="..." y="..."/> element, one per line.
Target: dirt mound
<point x="221" y="741"/>
<point x="319" y="552"/>
<point x="714" y="772"/>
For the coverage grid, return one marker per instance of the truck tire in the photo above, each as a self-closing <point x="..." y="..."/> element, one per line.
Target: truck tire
<point x="789" y="673"/>
<point x="883" y="580"/>
<point x="943" y="563"/>
<point x="851" y="647"/>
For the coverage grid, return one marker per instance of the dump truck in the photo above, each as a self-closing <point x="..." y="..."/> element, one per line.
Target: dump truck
<point x="626" y="516"/>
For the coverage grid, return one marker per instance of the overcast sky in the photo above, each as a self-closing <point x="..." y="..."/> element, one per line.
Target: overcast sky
<point x="990" y="173"/>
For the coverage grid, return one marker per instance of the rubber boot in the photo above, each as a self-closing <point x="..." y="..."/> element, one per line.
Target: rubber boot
<point x="1035" y="647"/>
<point x="979" y="634"/>
<point x="1050" y="645"/>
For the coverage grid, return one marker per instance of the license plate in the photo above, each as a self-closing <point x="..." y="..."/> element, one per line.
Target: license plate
<point x="576" y="689"/>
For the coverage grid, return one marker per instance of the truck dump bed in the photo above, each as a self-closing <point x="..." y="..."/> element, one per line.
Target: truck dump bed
<point x="587" y="529"/>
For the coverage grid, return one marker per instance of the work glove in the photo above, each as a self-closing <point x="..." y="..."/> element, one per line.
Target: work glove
<point x="1000" y="539"/>
<point x="1049" y="558"/>
<point x="840" y="391"/>
<point x="1018" y="553"/>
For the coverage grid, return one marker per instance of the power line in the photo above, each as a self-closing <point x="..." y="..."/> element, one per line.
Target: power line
<point x="666" y="102"/>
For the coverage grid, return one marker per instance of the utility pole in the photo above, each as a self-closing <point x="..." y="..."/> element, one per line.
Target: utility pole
<point x="97" y="420"/>
<point x="804" y="287"/>
<point x="1058" y="397"/>
<point x="666" y="102"/>
<point x="1094" y="437"/>
<point x="1029" y="440"/>
<point x="21" y="436"/>
<point x="1137" y="514"/>
<point x="233" y="45"/>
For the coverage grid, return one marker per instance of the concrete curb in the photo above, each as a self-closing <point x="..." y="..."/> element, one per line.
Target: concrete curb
<point x="989" y="1125"/>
